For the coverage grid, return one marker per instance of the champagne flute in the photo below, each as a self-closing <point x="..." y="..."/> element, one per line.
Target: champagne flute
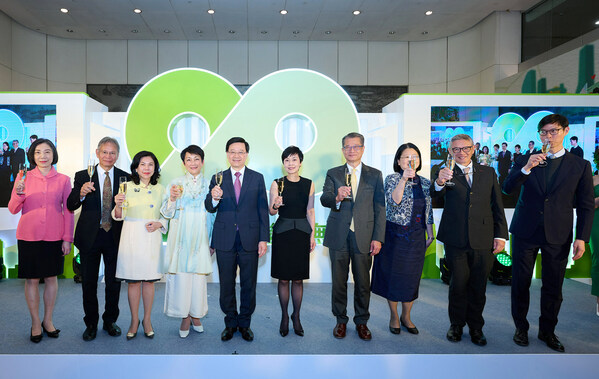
<point x="412" y="166"/>
<point x="22" y="172"/>
<point x="450" y="164"/>
<point x="218" y="178"/>
<point x="179" y="187"/>
<point x="91" y="166"/>
<point x="347" y="180"/>
<point x="280" y="186"/>
<point x="545" y="149"/>
<point x="123" y="189"/>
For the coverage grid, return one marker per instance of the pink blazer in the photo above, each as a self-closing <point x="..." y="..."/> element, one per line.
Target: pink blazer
<point x="44" y="214"/>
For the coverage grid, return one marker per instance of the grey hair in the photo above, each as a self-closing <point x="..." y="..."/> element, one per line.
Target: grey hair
<point x="109" y="140"/>
<point x="353" y="135"/>
<point x="465" y="137"/>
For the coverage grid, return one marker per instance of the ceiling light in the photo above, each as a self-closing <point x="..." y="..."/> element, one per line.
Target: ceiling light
<point x="210" y="11"/>
<point x="102" y="30"/>
<point x="70" y="30"/>
<point x="198" y="31"/>
<point x="137" y="10"/>
<point x="328" y="32"/>
<point x="134" y="31"/>
<point x="232" y="31"/>
<point x="360" y="32"/>
<point x="428" y="13"/>
<point x="296" y="32"/>
<point x="283" y="11"/>
<point x="263" y="32"/>
<point x="424" y="33"/>
<point x="64" y="10"/>
<point x="597" y="22"/>
<point x="392" y="32"/>
<point x="167" y="31"/>
<point x="356" y="12"/>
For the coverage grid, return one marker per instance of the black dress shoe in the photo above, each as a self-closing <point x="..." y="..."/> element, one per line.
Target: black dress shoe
<point x="112" y="329"/>
<point x="90" y="333"/>
<point x="394" y="330"/>
<point x="52" y="334"/>
<point x="454" y="334"/>
<point x="35" y="339"/>
<point x="284" y="327"/>
<point x="227" y="333"/>
<point x="551" y="340"/>
<point x="246" y="334"/>
<point x="297" y="326"/>
<point x="413" y="330"/>
<point x="521" y="337"/>
<point x="477" y="337"/>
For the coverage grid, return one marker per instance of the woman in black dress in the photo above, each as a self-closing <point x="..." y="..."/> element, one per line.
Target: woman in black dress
<point x="293" y="236"/>
<point x="397" y="268"/>
<point x="5" y="183"/>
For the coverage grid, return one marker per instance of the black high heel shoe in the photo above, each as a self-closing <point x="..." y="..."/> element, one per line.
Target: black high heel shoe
<point x="149" y="334"/>
<point x="35" y="339"/>
<point x="131" y="336"/>
<point x="299" y="330"/>
<point x="52" y="334"/>
<point x="284" y="327"/>
<point x="413" y="330"/>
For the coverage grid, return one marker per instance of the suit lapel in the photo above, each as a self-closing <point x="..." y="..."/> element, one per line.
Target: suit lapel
<point x="458" y="175"/>
<point x="361" y="182"/>
<point x="245" y="185"/>
<point x="227" y="185"/>
<point x="539" y="174"/>
<point x="561" y="173"/>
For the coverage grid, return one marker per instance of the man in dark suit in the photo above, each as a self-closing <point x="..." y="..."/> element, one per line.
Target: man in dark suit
<point x="354" y="233"/>
<point x="575" y="149"/>
<point x="473" y="229"/>
<point x="531" y="148"/>
<point x="17" y="156"/>
<point x="504" y="162"/>
<point x="543" y="219"/>
<point x="97" y="235"/>
<point x="477" y="151"/>
<point x="239" y="236"/>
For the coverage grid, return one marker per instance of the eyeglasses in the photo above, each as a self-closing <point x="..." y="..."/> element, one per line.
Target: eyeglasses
<point x="553" y="132"/>
<point x="353" y="148"/>
<point x="240" y="153"/>
<point x="465" y="149"/>
<point x="408" y="157"/>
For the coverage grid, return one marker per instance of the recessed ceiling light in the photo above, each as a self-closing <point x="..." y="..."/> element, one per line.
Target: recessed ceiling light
<point x="392" y="32"/>
<point x="283" y="11"/>
<point x="70" y="30"/>
<point x="328" y="32"/>
<point x="232" y="31"/>
<point x="428" y="13"/>
<point x="356" y="12"/>
<point x="210" y="11"/>
<point x="134" y="31"/>
<point x="296" y="32"/>
<point x="263" y="32"/>
<point x="64" y="10"/>
<point x="360" y="32"/>
<point x="198" y="31"/>
<point x="167" y="31"/>
<point x="597" y="22"/>
<point x="102" y="30"/>
<point x="137" y="10"/>
<point x="424" y="33"/>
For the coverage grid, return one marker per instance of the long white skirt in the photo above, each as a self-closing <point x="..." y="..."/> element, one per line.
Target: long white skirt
<point x="186" y="294"/>
<point x="139" y="252"/>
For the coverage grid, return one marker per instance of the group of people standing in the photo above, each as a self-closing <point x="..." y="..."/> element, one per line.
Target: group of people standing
<point x="390" y="224"/>
<point x="11" y="159"/>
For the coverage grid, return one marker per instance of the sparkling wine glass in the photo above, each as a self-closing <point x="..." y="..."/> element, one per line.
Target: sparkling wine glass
<point x="280" y="186"/>
<point x="450" y="164"/>
<point x="218" y="178"/>
<point x="347" y="180"/>
<point x="545" y="149"/>
<point x="123" y="189"/>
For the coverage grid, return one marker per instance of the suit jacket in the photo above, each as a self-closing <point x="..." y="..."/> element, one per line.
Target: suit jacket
<point x="572" y="187"/>
<point x="528" y="153"/>
<point x="472" y="216"/>
<point x="91" y="209"/>
<point x="504" y="162"/>
<point x="367" y="207"/>
<point x="250" y="215"/>
<point x="577" y="151"/>
<point x="16" y="157"/>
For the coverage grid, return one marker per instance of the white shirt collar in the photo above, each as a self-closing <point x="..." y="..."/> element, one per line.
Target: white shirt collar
<point x="463" y="167"/>
<point x="358" y="168"/>
<point x="558" y="154"/>
<point x="242" y="171"/>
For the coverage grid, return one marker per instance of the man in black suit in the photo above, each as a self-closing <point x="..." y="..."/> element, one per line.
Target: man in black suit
<point x="477" y="151"/>
<point x="239" y="236"/>
<point x="543" y="220"/>
<point x="17" y="156"/>
<point x="354" y="233"/>
<point x="473" y="229"/>
<point x="97" y="235"/>
<point x="531" y="149"/>
<point x="575" y="149"/>
<point x="504" y="162"/>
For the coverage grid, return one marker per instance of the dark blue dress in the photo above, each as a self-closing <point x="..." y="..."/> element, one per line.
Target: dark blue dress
<point x="397" y="268"/>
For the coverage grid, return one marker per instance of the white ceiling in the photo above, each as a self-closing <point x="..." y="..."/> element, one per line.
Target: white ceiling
<point x="256" y="20"/>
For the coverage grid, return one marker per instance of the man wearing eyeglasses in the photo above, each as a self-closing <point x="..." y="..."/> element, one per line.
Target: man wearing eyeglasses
<point x="473" y="228"/>
<point x="355" y="231"/>
<point x="543" y="220"/>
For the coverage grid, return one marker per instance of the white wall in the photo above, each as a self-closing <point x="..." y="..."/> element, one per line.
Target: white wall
<point x="468" y="62"/>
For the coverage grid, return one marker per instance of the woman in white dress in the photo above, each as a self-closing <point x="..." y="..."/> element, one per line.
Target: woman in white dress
<point x="138" y="261"/>
<point x="187" y="261"/>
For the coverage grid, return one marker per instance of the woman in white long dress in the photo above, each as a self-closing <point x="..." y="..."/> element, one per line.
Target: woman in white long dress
<point x="187" y="261"/>
<point x="138" y="261"/>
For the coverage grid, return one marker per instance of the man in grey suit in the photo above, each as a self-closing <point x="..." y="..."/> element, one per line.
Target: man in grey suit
<point x="355" y="231"/>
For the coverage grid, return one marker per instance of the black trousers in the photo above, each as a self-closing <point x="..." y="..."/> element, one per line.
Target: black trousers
<point x="104" y="246"/>
<point x="360" y="267"/>
<point x="470" y="271"/>
<point x="228" y="261"/>
<point x="554" y="259"/>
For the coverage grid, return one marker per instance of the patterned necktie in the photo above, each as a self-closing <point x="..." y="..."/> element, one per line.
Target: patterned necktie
<point x="106" y="203"/>
<point x="354" y="185"/>
<point x="467" y="174"/>
<point x="237" y="186"/>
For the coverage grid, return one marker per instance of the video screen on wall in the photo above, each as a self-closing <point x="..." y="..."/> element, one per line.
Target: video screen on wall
<point x="19" y="126"/>
<point x="505" y="133"/>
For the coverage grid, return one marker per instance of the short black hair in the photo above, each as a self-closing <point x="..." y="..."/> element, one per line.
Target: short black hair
<point x="504" y="143"/>
<point x="352" y="135"/>
<point x="518" y="146"/>
<point x="6" y="143"/>
<point x="135" y="164"/>
<point x="553" y="119"/>
<point x="400" y="151"/>
<point x="529" y="142"/>
<point x="292" y="150"/>
<point x="192" y="149"/>
<point x="34" y="145"/>
<point x="483" y="149"/>
<point x="496" y="145"/>
<point x="237" y="140"/>
<point x="34" y="136"/>
<point x="574" y="138"/>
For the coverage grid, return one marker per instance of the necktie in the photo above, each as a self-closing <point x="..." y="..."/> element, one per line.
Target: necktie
<point x="106" y="203"/>
<point x="237" y="186"/>
<point x="467" y="174"/>
<point x="354" y="185"/>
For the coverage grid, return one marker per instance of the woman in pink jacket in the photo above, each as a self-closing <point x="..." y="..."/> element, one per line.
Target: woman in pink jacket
<point x="44" y="233"/>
